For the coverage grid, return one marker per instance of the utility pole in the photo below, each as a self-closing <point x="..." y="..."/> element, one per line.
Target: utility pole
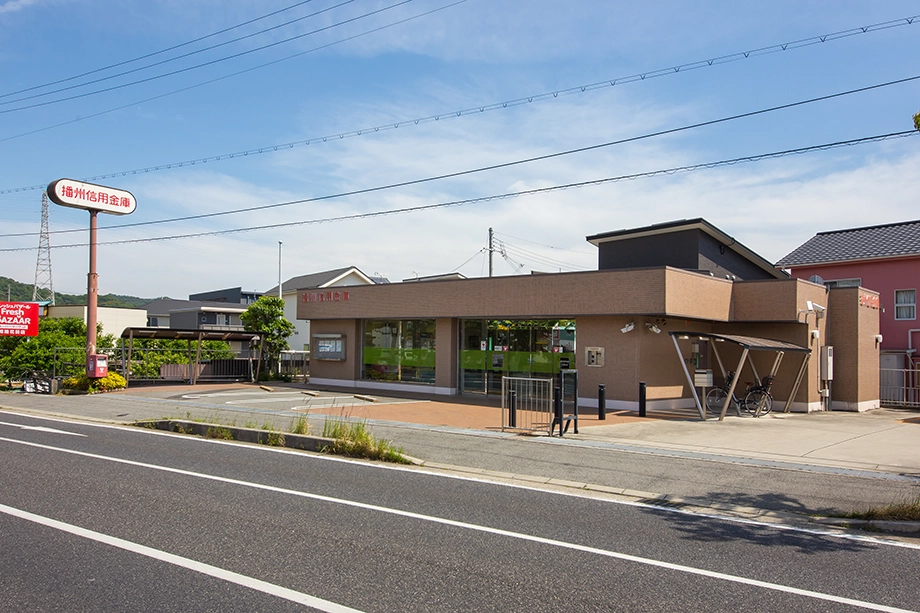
<point x="491" y="249"/>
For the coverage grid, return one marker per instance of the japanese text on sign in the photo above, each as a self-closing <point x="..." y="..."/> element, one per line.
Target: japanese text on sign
<point x="18" y="319"/>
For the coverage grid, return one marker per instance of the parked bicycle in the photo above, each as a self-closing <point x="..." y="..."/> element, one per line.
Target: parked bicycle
<point x="754" y="397"/>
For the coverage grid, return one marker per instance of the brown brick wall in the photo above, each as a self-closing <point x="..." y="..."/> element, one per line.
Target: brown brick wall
<point x="654" y="290"/>
<point x="852" y="327"/>
<point x="349" y="369"/>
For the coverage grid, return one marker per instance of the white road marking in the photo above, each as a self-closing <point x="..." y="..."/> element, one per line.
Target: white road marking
<point x="830" y="533"/>
<point x="200" y="567"/>
<point x="219" y="394"/>
<point x="496" y="531"/>
<point x="40" y="429"/>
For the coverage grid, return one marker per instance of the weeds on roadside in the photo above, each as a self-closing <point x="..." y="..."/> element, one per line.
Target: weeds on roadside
<point x="896" y="511"/>
<point x="219" y="432"/>
<point x="300" y="425"/>
<point x="353" y="439"/>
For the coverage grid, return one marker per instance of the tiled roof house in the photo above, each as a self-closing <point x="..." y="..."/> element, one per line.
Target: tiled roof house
<point x="884" y="258"/>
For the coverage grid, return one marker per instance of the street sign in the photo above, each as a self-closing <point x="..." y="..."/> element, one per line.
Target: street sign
<point x="18" y="319"/>
<point x="80" y="195"/>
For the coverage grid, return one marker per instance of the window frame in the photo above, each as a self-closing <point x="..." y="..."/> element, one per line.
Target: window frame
<point x="898" y="305"/>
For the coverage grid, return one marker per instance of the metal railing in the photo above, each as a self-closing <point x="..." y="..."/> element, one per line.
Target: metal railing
<point x="527" y="404"/>
<point x="899" y="387"/>
<point x="170" y="365"/>
<point x="295" y="364"/>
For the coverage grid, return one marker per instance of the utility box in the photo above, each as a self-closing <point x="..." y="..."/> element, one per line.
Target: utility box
<point x="97" y="366"/>
<point x="702" y="378"/>
<point x="827" y="363"/>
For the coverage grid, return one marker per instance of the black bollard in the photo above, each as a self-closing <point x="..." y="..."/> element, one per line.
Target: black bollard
<point x="641" y="398"/>
<point x="557" y="409"/>
<point x="512" y="409"/>
<point x="601" y="402"/>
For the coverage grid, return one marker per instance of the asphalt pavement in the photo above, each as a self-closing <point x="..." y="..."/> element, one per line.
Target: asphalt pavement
<point x="800" y="464"/>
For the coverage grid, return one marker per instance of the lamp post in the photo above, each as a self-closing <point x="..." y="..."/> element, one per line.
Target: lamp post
<point x="280" y="297"/>
<point x="279" y="270"/>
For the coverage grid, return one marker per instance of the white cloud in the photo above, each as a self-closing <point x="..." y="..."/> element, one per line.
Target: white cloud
<point x="14" y="6"/>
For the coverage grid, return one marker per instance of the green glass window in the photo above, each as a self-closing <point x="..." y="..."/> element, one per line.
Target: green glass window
<point x="399" y="350"/>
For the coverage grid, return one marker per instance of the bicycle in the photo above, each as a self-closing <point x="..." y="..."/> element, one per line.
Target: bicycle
<point x="753" y="397"/>
<point x="759" y="397"/>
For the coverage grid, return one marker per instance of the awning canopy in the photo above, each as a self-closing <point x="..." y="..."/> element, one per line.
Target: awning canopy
<point x="747" y="344"/>
<point x="751" y="343"/>
<point x="191" y="335"/>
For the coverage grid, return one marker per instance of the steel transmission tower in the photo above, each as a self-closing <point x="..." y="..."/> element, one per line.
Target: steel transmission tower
<point x="43" y="288"/>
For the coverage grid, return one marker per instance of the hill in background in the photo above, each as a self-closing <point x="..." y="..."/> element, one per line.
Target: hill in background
<point x="22" y="292"/>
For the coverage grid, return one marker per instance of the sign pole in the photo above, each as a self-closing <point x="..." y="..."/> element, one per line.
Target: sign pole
<point x="92" y="289"/>
<point x="93" y="198"/>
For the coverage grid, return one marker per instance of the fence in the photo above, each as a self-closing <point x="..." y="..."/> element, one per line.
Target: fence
<point x="295" y="364"/>
<point x="527" y="404"/>
<point x="899" y="387"/>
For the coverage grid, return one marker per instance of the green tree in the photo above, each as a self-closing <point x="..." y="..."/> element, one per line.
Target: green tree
<point x="917" y="121"/>
<point x="266" y="317"/>
<point x="21" y="354"/>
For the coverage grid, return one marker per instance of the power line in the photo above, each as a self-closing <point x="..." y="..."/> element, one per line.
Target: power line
<point x="548" y="156"/>
<point x="203" y="64"/>
<point x="173" y="59"/>
<point x="508" y="195"/>
<point x="215" y="80"/>
<point x="732" y="57"/>
<point x="518" y="238"/>
<point x="155" y="53"/>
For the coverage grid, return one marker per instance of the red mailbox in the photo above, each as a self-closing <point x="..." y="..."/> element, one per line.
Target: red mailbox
<point x="97" y="366"/>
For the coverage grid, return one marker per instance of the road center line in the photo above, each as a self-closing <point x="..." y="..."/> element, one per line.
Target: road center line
<point x="40" y="429"/>
<point x="489" y="530"/>
<point x="199" y="567"/>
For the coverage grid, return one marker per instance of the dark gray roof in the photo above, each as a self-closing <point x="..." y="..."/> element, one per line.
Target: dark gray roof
<point x="753" y="343"/>
<point x="312" y="281"/>
<point x="869" y="243"/>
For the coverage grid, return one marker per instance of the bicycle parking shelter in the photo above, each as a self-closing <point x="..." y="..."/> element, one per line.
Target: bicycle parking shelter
<point x="747" y="344"/>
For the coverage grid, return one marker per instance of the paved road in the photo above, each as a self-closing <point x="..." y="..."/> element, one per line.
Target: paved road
<point x="714" y="474"/>
<point x="98" y="518"/>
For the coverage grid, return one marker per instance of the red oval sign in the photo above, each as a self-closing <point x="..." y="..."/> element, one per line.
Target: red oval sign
<point x="80" y="195"/>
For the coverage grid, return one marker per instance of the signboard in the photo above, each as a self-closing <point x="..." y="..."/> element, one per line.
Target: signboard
<point x="80" y="195"/>
<point x="18" y="319"/>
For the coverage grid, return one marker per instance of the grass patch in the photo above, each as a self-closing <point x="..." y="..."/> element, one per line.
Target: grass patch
<point x="353" y="439"/>
<point x="300" y="425"/>
<point x="896" y="511"/>
<point x="219" y="432"/>
<point x="275" y="438"/>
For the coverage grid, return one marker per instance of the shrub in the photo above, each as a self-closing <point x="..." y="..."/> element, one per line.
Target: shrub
<point x="112" y="381"/>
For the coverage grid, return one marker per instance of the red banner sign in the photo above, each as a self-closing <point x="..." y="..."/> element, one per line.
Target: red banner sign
<point x="18" y="319"/>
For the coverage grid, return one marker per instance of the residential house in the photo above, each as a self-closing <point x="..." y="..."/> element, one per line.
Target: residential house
<point x="884" y="258"/>
<point x="312" y="285"/>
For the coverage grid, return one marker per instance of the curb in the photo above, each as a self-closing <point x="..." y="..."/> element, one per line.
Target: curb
<point x="274" y="438"/>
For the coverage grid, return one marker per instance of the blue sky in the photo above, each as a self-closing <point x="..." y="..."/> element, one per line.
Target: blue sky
<point x="341" y="77"/>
